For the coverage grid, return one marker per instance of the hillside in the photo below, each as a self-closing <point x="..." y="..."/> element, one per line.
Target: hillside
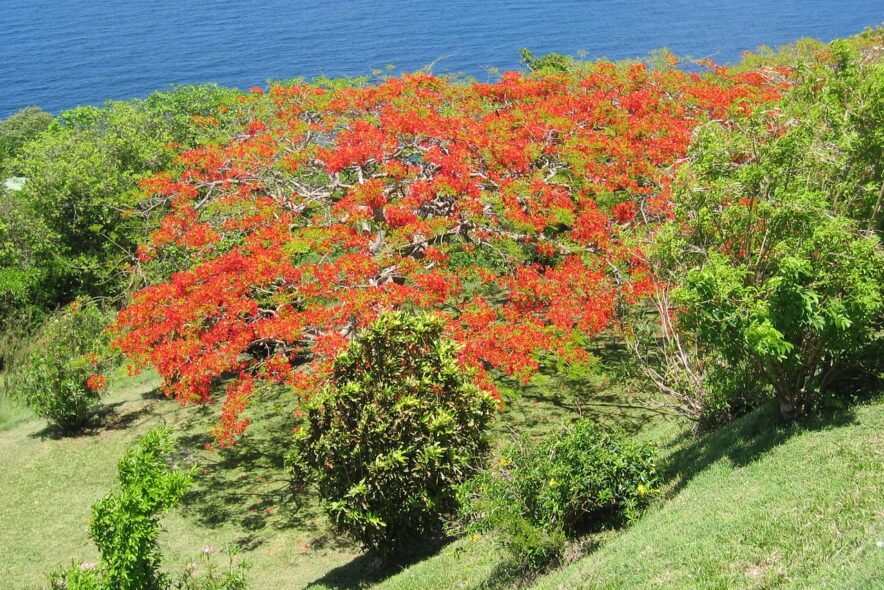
<point x="242" y="496"/>
<point x="753" y="505"/>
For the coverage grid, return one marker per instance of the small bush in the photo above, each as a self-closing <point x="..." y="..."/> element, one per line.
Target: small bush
<point x="77" y="576"/>
<point x="57" y="372"/>
<point x="125" y="523"/>
<point x="540" y="493"/>
<point x="125" y="527"/>
<point x="205" y="574"/>
<point x="400" y="425"/>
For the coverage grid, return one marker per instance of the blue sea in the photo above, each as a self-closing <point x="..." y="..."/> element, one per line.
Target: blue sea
<point x="61" y="53"/>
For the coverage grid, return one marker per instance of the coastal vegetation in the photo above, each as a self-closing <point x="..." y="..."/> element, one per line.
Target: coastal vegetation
<point x="592" y="325"/>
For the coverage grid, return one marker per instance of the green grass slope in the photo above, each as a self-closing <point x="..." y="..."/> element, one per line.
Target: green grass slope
<point x="758" y="506"/>
<point x="753" y="505"/>
<point x="241" y="496"/>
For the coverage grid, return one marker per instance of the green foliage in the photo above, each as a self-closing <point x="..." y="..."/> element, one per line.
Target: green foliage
<point x="775" y="250"/>
<point x="26" y="253"/>
<point x="551" y="62"/>
<point x="841" y="104"/>
<point x="81" y="175"/>
<point x="490" y="504"/>
<point x="57" y="370"/>
<point x="802" y="321"/>
<point x="77" y="576"/>
<point x="804" y="50"/>
<point x="19" y="129"/>
<point x="68" y="226"/>
<point x="181" y="108"/>
<point x="733" y="390"/>
<point x="125" y="523"/>
<point x="400" y="426"/>
<point x="581" y="477"/>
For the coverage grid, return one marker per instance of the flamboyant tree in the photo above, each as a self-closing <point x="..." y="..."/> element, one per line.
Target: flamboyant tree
<point x="515" y="210"/>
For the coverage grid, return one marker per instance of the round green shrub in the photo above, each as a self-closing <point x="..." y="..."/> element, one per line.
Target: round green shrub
<point x="576" y="479"/>
<point x="399" y="427"/>
<point x="58" y="371"/>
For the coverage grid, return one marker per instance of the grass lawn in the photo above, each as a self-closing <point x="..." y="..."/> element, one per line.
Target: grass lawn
<point x="12" y="413"/>
<point x="753" y="505"/>
<point x="241" y="497"/>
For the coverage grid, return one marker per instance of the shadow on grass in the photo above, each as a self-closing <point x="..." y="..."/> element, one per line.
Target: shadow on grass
<point x="246" y="485"/>
<point x="355" y="574"/>
<point x="551" y="399"/>
<point x="105" y="418"/>
<point x="367" y="569"/>
<point x="741" y="442"/>
<point x="154" y="394"/>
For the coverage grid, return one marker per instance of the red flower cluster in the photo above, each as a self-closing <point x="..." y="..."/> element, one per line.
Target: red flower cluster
<point x="96" y="382"/>
<point x="515" y="210"/>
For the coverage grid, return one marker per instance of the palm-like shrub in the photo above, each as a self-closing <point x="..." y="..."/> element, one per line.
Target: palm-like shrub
<point x="399" y="427"/>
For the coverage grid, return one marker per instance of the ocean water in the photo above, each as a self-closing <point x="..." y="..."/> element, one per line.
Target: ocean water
<point x="61" y="53"/>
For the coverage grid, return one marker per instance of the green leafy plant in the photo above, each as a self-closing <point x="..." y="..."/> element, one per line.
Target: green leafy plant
<point x="125" y="527"/>
<point x="770" y="274"/>
<point x="398" y="428"/>
<point x="57" y="371"/>
<point x="26" y="254"/>
<point x="774" y="257"/>
<point x="551" y="62"/>
<point x="801" y="324"/>
<point x="77" y="576"/>
<point x="205" y="574"/>
<point x="579" y="478"/>
<point x="19" y="129"/>
<point x="125" y="523"/>
<point x="69" y="211"/>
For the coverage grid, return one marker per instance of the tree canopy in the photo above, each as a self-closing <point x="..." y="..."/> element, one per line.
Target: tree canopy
<point x="515" y="210"/>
